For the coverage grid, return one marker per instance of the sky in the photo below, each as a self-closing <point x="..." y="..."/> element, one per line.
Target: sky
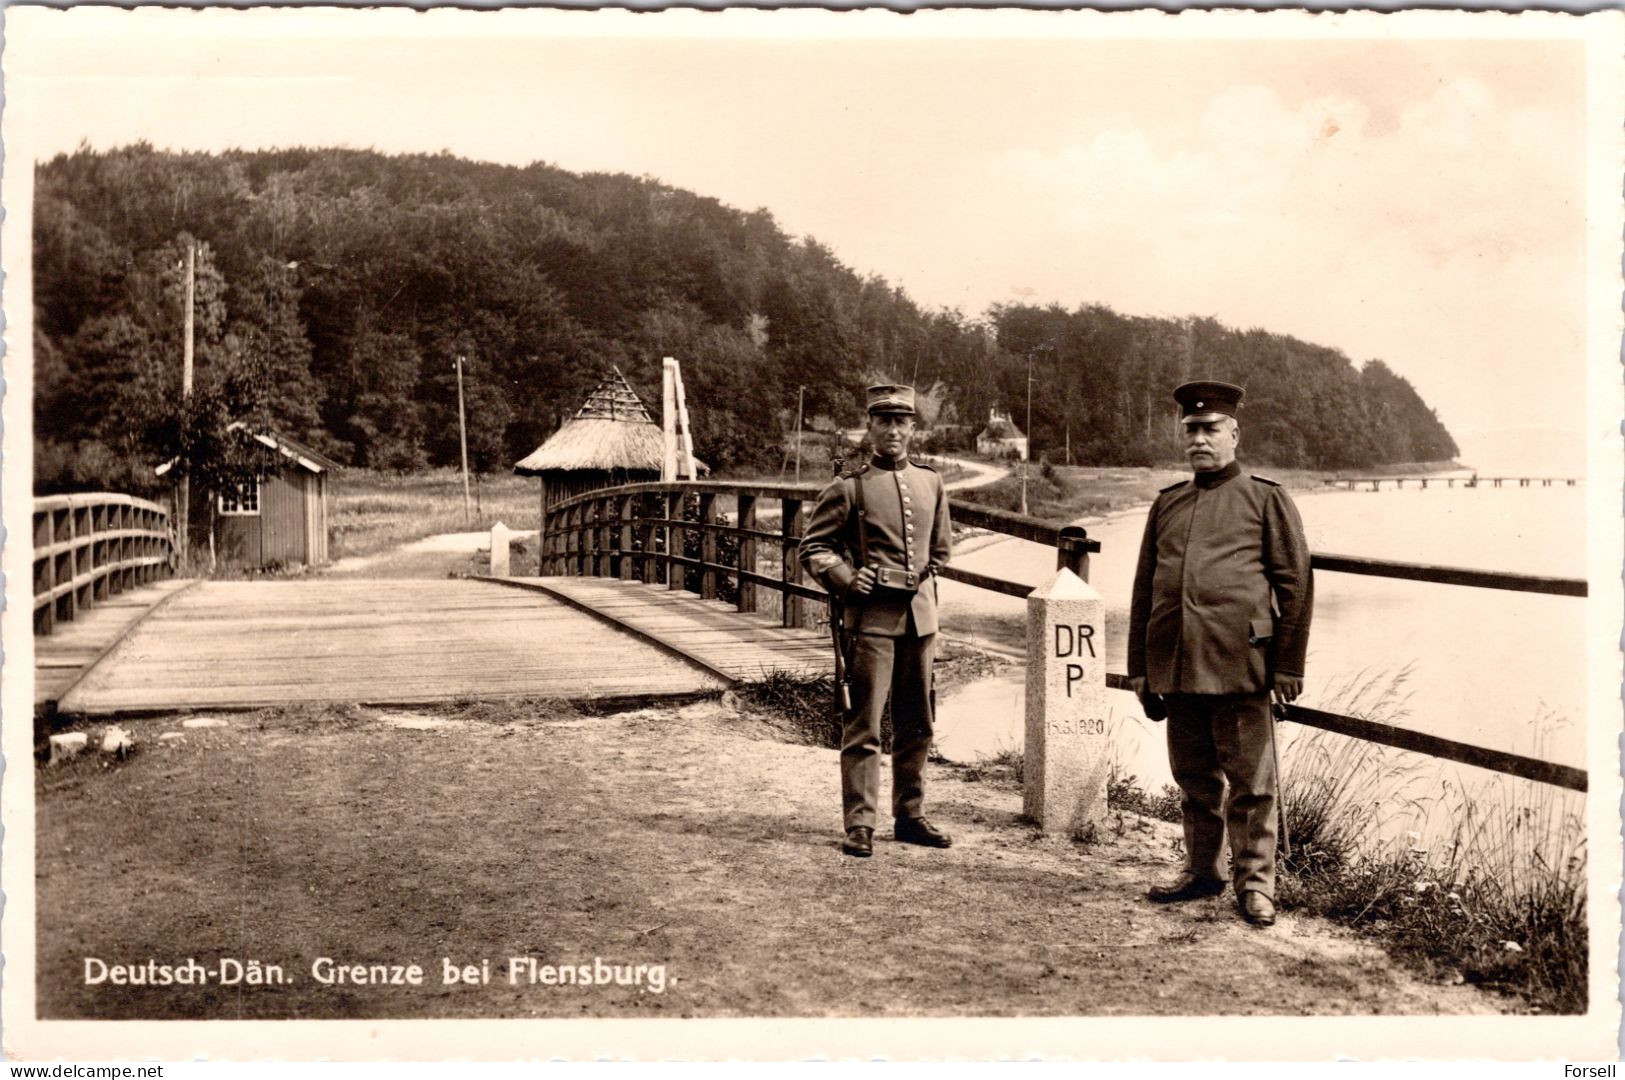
<point x="1414" y="197"/>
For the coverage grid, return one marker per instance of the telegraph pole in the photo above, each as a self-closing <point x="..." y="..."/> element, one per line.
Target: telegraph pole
<point x="801" y="393"/>
<point x="1026" y="458"/>
<point x="184" y="507"/>
<point x="462" y="435"/>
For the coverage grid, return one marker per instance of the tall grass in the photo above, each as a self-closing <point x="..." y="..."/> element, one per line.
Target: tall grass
<point x="1482" y="883"/>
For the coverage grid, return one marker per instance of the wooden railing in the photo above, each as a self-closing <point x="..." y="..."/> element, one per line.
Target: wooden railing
<point x="90" y="547"/>
<point x="640" y="531"/>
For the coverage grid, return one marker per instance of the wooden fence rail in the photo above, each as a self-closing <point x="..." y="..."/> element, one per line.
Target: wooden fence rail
<point x="645" y="532"/>
<point x="90" y="547"/>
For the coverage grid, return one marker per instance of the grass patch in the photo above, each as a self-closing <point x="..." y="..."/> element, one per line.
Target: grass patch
<point x="1125" y="795"/>
<point x="1004" y="769"/>
<point x="374" y="511"/>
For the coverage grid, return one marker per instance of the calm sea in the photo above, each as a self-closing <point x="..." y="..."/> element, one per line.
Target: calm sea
<point x="1499" y="669"/>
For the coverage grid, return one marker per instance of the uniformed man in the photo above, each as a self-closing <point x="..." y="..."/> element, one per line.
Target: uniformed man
<point x="875" y="540"/>
<point x="1219" y="624"/>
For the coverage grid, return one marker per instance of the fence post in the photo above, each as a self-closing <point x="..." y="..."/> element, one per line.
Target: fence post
<point x="99" y="528"/>
<point x="48" y="623"/>
<point x="676" y="537"/>
<point x="790" y="571"/>
<point x="148" y="521"/>
<point x="126" y="522"/>
<point x="627" y="570"/>
<point x="73" y="564"/>
<point x="651" y="562"/>
<point x="708" y="545"/>
<point x="605" y="537"/>
<point x="572" y="541"/>
<point x="549" y="541"/>
<point x="1072" y="550"/>
<point x="747" y="552"/>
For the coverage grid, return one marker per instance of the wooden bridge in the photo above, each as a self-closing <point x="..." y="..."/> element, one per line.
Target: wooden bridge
<point x="648" y="591"/>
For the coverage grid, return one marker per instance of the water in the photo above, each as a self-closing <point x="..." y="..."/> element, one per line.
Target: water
<point x="1499" y="669"/>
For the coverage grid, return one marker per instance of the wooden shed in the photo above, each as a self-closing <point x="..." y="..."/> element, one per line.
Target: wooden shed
<point x="611" y="440"/>
<point x="283" y="516"/>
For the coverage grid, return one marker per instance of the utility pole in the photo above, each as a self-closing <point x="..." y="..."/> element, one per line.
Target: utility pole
<point x="184" y="507"/>
<point x="801" y="393"/>
<point x="462" y="434"/>
<point x="1026" y="458"/>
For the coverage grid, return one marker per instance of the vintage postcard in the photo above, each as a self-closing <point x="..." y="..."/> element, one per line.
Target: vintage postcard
<point x="790" y="534"/>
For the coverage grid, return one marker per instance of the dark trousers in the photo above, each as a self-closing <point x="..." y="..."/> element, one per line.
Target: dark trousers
<point x="1215" y="740"/>
<point x="900" y="667"/>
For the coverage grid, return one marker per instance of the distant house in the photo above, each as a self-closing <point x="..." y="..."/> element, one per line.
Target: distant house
<point x="282" y="516"/>
<point x="1001" y="437"/>
<point x="610" y="441"/>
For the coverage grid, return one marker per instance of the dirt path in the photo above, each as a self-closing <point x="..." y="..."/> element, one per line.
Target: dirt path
<point x="690" y="839"/>
<point x="432" y="556"/>
<point x="981" y="474"/>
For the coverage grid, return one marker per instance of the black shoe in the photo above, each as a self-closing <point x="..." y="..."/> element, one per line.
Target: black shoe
<point x="918" y="830"/>
<point x="1257" y="908"/>
<point x="1187" y="886"/>
<point x="860" y="841"/>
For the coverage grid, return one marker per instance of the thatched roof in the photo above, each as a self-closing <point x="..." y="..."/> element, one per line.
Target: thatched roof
<point x="612" y="431"/>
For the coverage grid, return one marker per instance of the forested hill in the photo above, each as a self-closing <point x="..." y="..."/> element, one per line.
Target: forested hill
<point x="334" y="288"/>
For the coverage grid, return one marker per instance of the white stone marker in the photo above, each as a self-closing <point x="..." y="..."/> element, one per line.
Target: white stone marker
<point x="67" y="745"/>
<point x="499" y="549"/>
<point x="1067" y="751"/>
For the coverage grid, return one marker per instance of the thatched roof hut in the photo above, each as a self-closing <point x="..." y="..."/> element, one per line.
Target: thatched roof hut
<point x="611" y="440"/>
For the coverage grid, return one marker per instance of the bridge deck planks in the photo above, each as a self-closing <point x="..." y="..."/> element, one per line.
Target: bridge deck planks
<point x="248" y="644"/>
<point x="744" y="645"/>
<point x="60" y="656"/>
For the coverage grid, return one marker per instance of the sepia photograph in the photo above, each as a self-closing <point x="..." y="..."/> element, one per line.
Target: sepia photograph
<point x="805" y="534"/>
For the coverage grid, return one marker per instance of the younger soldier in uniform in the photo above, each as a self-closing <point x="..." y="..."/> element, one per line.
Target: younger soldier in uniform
<point x="875" y="541"/>
<point x="1219" y="622"/>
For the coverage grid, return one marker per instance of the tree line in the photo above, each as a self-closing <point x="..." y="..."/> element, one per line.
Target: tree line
<point x="334" y="290"/>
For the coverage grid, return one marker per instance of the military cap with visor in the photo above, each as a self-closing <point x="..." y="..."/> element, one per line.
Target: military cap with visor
<point x="891" y="398"/>
<point x="1206" y="400"/>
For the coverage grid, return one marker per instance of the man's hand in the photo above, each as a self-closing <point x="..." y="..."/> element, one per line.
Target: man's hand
<point x="1287" y="687"/>
<point x="864" y="582"/>
<point x="1152" y="705"/>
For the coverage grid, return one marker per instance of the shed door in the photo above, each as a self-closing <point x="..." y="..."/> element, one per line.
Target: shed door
<point x="282" y="514"/>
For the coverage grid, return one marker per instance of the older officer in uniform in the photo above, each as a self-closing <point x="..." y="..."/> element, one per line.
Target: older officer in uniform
<point x="875" y="540"/>
<point x="1219" y="624"/>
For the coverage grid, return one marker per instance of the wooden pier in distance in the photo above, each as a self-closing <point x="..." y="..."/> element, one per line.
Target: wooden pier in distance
<point x="1376" y="482"/>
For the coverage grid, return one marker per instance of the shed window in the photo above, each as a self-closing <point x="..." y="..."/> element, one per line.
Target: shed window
<point x="242" y="499"/>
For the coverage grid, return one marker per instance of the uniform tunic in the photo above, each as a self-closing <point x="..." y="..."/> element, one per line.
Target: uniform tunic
<point x="893" y="633"/>
<point x="1222" y="593"/>
<point x="1222" y="599"/>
